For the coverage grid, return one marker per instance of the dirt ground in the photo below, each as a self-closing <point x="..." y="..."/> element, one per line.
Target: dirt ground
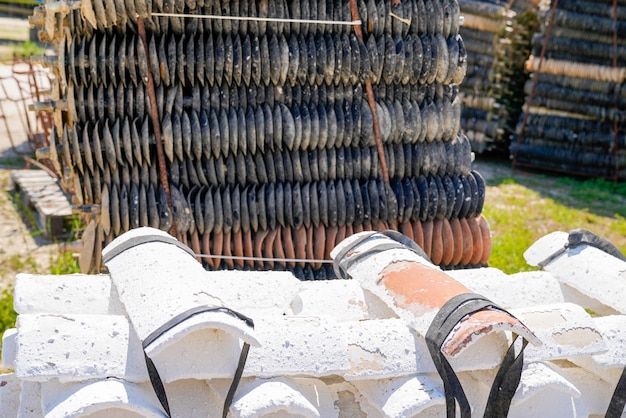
<point x="22" y="249"/>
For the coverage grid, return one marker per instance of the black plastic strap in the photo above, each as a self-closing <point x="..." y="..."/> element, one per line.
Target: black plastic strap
<point x="401" y="241"/>
<point x="506" y="382"/>
<point x="582" y="236"/>
<point x="144" y="239"/>
<point x="508" y="376"/>
<point x="155" y="378"/>
<point x="446" y="319"/>
<point x="618" y="401"/>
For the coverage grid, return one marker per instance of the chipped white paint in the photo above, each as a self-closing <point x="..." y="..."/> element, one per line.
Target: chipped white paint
<point x="405" y="396"/>
<point x="587" y="269"/>
<point x="256" y="293"/>
<point x="325" y="349"/>
<point x="565" y="330"/>
<point x="290" y="344"/>
<point x="9" y="348"/>
<point x="545" y="247"/>
<point x="308" y="398"/>
<point x="608" y="365"/>
<point x="69" y="294"/>
<point x="30" y="400"/>
<point x="521" y="290"/>
<point x="343" y="300"/>
<point x="10" y="388"/>
<point x="77" y="347"/>
<point x="111" y="396"/>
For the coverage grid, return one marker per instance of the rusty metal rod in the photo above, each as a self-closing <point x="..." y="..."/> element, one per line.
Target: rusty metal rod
<point x="370" y="99"/>
<point x="156" y="126"/>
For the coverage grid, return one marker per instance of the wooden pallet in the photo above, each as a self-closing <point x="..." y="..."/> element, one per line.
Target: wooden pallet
<point x="42" y="194"/>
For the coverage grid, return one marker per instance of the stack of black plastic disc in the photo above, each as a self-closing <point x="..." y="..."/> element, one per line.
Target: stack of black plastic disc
<point x="267" y="124"/>
<point x="575" y="120"/>
<point x="497" y="35"/>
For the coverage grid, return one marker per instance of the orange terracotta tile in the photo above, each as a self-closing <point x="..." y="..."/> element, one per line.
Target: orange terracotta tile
<point x="331" y="236"/>
<point x="477" y="241"/>
<point x="259" y="240"/>
<point x="486" y="235"/>
<point x="418" y="233"/>
<point x="436" y="250"/>
<point x="419" y="288"/>
<point x="467" y="242"/>
<point x="237" y="238"/>
<point x="290" y="251"/>
<point x="228" y="243"/>
<point x="427" y="227"/>
<point x="268" y="248"/>
<point x="217" y="245"/>
<point x="279" y="248"/>
<point x="319" y="245"/>
<point x="406" y="229"/>
<point x="300" y="243"/>
<point x="248" y="247"/>
<point x="457" y="234"/>
<point x="447" y="239"/>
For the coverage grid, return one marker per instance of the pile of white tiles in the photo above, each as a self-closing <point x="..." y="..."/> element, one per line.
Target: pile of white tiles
<point x="318" y="348"/>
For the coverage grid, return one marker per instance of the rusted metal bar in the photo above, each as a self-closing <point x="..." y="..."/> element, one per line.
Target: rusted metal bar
<point x="156" y="126"/>
<point x="370" y="100"/>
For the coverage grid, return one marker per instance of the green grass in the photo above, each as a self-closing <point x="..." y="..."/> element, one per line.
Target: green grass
<point x="522" y="210"/>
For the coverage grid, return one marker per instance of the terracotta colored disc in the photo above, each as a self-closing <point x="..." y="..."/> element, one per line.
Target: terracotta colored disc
<point x="206" y="249"/>
<point x="331" y="236"/>
<point x="268" y="248"/>
<point x="259" y="239"/>
<point x="248" y="247"/>
<point x="427" y="227"/>
<point x="457" y="234"/>
<point x="477" y="241"/>
<point x="418" y="233"/>
<point x="237" y="238"/>
<point x="228" y="250"/>
<point x="300" y="244"/>
<point x="319" y="243"/>
<point x="290" y="251"/>
<point x="467" y="242"/>
<point x="279" y="249"/>
<point x="217" y="246"/>
<point x="310" y="253"/>
<point x="448" y="242"/>
<point x="486" y="234"/>
<point x="407" y="229"/>
<point x="195" y="244"/>
<point x="436" y="250"/>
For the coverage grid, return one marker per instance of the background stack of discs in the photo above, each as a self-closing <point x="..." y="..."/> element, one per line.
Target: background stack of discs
<point x="575" y="119"/>
<point x="280" y="137"/>
<point x="497" y="36"/>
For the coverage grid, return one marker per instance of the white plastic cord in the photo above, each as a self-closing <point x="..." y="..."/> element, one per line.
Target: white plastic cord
<point x="287" y="260"/>
<point x="262" y="19"/>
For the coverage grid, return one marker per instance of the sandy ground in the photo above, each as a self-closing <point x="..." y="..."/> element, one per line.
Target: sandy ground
<point x="22" y="249"/>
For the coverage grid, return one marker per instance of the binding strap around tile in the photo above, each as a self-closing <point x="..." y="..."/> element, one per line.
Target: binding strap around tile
<point x="155" y="378"/>
<point x="618" y="400"/>
<point x="398" y="240"/>
<point x="508" y="377"/>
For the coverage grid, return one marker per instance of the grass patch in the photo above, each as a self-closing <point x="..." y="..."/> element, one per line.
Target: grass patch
<point x="521" y="212"/>
<point x="27" y="49"/>
<point x="64" y="263"/>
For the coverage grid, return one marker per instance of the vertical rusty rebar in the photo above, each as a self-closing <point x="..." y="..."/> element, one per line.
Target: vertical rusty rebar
<point x="156" y="126"/>
<point x="371" y="101"/>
